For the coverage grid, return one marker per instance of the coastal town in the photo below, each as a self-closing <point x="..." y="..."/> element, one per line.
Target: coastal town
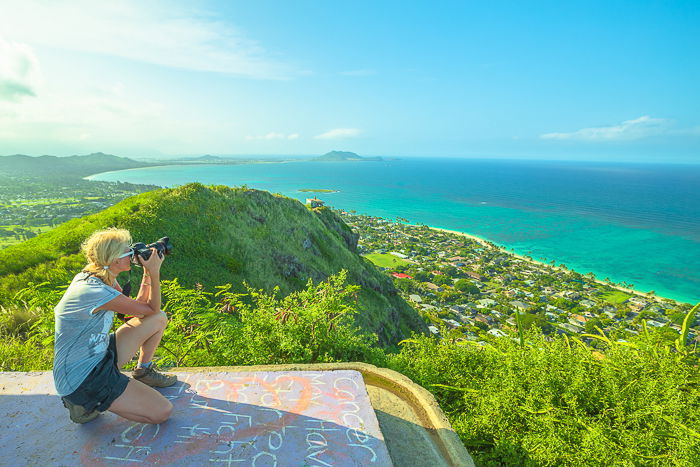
<point x="29" y="206"/>
<point x="469" y="288"/>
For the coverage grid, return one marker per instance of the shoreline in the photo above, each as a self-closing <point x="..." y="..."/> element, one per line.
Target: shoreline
<point x="188" y="164"/>
<point x="487" y="243"/>
<point x="655" y="297"/>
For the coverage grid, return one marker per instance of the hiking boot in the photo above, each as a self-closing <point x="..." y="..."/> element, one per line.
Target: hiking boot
<point x="152" y="377"/>
<point x="78" y="414"/>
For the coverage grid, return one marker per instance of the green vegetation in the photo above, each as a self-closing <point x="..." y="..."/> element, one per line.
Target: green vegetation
<point x="527" y="401"/>
<point x="65" y="167"/>
<point x="38" y="193"/>
<point x="559" y="402"/>
<point x="615" y="297"/>
<point x="13" y="234"/>
<point x="385" y="260"/>
<point x="466" y="286"/>
<point x="223" y="235"/>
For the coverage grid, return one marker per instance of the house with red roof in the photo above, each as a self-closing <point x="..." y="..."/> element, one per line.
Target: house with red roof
<point x="400" y="275"/>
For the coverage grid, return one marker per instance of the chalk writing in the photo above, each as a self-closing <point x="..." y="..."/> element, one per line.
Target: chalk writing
<point x="259" y="419"/>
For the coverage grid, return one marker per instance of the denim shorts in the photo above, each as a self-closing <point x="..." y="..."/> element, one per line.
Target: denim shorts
<point x="104" y="383"/>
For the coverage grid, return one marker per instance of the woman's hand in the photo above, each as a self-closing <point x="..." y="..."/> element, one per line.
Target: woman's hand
<point x="152" y="264"/>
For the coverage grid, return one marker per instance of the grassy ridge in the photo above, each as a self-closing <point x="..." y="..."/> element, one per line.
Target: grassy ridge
<point x="223" y="235"/>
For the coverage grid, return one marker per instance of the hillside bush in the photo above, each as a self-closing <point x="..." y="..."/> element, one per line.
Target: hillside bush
<point x="560" y="402"/>
<point x="257" y="328"/>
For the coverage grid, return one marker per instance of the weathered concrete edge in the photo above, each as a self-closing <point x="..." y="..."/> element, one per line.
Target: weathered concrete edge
<point x="420" y="399"/>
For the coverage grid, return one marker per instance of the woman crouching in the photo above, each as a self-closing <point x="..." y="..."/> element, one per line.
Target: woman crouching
<point x="87" y="357"/>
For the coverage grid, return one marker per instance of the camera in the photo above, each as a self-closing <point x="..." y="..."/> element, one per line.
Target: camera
<point x="162" y="246"/>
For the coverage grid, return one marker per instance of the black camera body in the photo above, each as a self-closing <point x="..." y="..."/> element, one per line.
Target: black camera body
<point x="162" y="246"/>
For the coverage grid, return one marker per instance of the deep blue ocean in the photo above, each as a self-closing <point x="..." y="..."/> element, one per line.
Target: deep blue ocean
<point x="638" y="223"/>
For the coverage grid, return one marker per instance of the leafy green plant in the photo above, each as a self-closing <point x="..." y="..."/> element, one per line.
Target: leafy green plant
<point x="683" y="338"/>
<point x="17" y="320"/>
<point x="229" y="328"/>
<point x="521" y="326"/>
<point x="561" y="402"/>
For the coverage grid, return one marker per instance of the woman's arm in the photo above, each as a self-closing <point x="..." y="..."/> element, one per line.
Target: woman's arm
<point x="147" y="303"/>
<point x="127" y="306"/>
<point x="145" y="289"/>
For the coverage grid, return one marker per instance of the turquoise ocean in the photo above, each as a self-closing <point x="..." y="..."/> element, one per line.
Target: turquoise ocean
<point x="637" y="223"/>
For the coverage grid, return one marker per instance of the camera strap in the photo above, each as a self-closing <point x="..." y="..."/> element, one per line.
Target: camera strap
<point x="126" y="289"/>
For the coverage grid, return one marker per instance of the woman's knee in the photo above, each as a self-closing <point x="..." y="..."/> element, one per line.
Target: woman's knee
<point x="159" y="319"/>
<point x="162" y="413"/>
<point x="162" y="318"/>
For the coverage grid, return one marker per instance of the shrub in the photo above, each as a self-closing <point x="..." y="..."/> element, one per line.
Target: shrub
<point x="559" y="402"/>
<point x="225" y="328"/>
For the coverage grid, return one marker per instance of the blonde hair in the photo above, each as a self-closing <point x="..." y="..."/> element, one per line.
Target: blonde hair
<point x="103" y="247"/>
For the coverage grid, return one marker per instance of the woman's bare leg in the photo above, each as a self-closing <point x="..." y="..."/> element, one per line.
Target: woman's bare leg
<point x="141" y="403"/>
<point x="140" y="333"/>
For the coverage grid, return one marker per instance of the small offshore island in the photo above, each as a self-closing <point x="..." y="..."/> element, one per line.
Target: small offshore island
<point x="340" y="156"/>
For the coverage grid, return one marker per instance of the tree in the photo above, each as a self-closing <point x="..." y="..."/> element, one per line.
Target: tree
<point x="465" y="286"/>
<point x="442" y="279"/>
<point x="677" y="317"/>
<point x="531" y="319"/>
<point x="592" y="324"/>
<point x="448" y="296"/>
<point x="422" y="276"/>
<point x="405" y="285"/>
<point x="451" y="271"/>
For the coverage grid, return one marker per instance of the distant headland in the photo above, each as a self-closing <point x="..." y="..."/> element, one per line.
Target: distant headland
<point x="339" y="156"/>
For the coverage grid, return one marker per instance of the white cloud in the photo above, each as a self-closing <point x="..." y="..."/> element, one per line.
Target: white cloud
<point x="96" y="116"/>
<point x="151" y="32"/>
<point x="19" y="71"/>
<point x="273" y="136"/>
<point x="638" y="128"/>
<point x="339" y="133"/>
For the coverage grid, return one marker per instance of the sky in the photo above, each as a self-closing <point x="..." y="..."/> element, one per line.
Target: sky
<point x="574" y="80"/>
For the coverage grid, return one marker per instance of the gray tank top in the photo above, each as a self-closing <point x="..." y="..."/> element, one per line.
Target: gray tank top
<point x="82" y="334"/>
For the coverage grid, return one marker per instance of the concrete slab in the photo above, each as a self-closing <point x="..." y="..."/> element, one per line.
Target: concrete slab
<point x="221" y="418"/>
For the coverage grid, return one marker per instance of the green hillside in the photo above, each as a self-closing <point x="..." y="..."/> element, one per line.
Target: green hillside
<point x="224" y="235"/>
<point x="20" y="165"/>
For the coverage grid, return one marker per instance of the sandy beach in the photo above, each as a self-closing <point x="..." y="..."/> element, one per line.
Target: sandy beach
<point x="549" y="266"/>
